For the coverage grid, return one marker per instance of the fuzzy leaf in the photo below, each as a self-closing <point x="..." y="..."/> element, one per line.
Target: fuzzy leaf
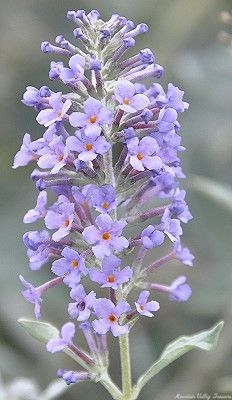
<point x="41" y="331"/>
<point x="204" y="340"/>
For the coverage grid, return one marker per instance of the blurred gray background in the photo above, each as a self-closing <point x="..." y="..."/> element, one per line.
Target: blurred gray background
<point x="183" y="35"/>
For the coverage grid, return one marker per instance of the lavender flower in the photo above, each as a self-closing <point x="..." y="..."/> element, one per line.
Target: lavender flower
<point x="87" y="147"/>
<point x="94" y="117"/>
<point x="33" y="295"/>
<point x="179" y="290"/>
<point x="152" y="237"/>
<point x="60" y="216"/>
<point x="83" y="305"/>
<point x="143" y="154"/>
<point x="106" y="237"/>
<point x="54" y="155"/>
<point x="145" y="307"/>
<point x="75" y="72"/>
<point x="129" y="101"/>
<point x="28" y="151"/>
<point x="109" y="315"/>
<point x="111" y="276"/>
<point x="57" y="111"/>
<point x="103" y="199"/>
<point x="39" y="211"/>
<point x="38" y="244"/>
<point x="71" y="266"/>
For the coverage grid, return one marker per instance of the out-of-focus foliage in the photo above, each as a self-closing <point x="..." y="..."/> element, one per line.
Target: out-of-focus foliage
<point x="183" y="34"/>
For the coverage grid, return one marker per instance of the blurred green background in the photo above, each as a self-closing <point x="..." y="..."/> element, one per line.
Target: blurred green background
<point x="183" y="34"/>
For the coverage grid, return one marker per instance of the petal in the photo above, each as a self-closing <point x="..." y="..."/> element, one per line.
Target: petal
<point x="68" y="331"/>
<point x="133" y="146"/>
<point x="101" y="326"/>
<point x="119" y="243"/>
<point x="60" y="267"/>
<point x="101" y="145"/>
<point x="46" y="117"/>
<point x="127" y="108"/>
<point x="136" y="163"/>
<point x="78" y="119"/>
<point x="78" y="293"/>
<point x="97" y="276"/>
<point x="153" y="163"/>
<point x="101" y="250"/>
<point x="92" y="106"/>
<point x="103" y="307"/>
<point x="124" y="275"/>
<point x="55" y="345"/>
<point x="91" y="234"/>
<point x="139" y="101"/>
<point x="153" y="305"/>
<point x="104" y="222"/>
<point x="110" y="263"/>
<point x="93" y="130"/>
<point x="118" y="330"/>
<point x="74" y="144"/>
<point x="31" y="216"/>
<point x="84" y="315"/>
<point x="124" y="90"/>
<point x="148" y="146"/>
<point x="66" y="106"/>
<point x="76" y="61"/>
<point x="66" y="75"/>
<point x="122" y="307"/>
<point x="87" y="156"/>
<point x="61" y="233"/>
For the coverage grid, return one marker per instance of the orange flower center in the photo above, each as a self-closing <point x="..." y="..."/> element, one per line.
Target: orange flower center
<point x="111" y="278"/>
<point x="140" y="156"/>
<point x="61" y="157"/>
<point x="112" y="318"/>
<point x="66" y="223"/>
<point x="141" y="307"/>
<point x="74" y="264"/>
<point x="59" y="113"/>
<point x="88" y="146"/>
<point x="105" y="205"/>
<point x="106" y="236"/>
<point x="93" y="119"/>
<point x="126" y="101"/>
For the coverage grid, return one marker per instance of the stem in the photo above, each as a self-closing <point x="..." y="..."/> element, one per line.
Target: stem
<point x="161" y="261"/>
<point x="125" y="366"/>
<point x="108" y="168"/>
<point x="110" y="386"/>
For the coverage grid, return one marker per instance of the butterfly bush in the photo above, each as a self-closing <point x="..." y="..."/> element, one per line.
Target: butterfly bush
<point x="109" y="159"/>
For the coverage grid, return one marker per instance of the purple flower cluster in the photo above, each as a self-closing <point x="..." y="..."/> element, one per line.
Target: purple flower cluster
<point x="110" y="146"/>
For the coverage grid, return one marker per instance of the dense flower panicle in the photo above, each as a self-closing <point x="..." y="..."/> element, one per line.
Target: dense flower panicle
<point x="110" y="157"/>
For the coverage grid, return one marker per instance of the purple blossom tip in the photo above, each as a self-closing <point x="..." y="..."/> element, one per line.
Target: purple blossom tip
<point x="179" y="290"/>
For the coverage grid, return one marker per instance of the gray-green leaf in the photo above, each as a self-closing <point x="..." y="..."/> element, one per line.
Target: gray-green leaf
<point x="41" y="331"/>
<point x="204" y="340"/>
